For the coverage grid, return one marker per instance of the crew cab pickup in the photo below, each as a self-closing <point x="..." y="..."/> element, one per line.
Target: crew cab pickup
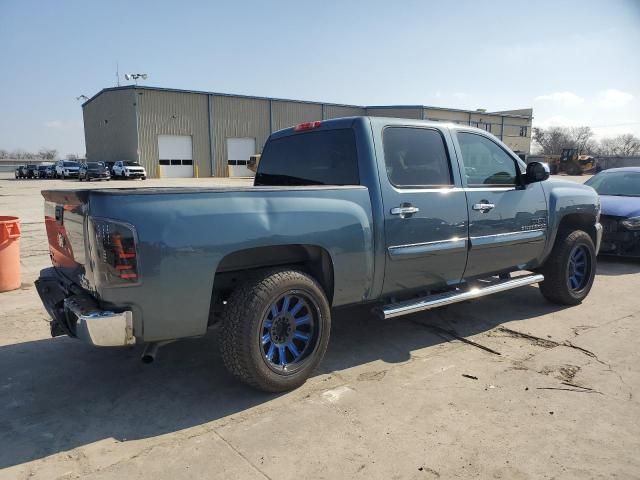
<point x="402" y="215"/>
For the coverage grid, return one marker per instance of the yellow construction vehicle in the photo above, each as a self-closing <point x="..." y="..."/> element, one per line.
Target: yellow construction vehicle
<point x="570" y="162"/>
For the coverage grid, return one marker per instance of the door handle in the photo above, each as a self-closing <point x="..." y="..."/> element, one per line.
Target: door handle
<point x="404" y="210"/>
<point x="483" y="207"/>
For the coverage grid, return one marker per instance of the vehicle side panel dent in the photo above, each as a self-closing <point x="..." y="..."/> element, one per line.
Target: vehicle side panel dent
<point x="183" y="238"/>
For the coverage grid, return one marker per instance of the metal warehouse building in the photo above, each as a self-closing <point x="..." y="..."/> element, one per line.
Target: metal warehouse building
<point x="184" y="133"/>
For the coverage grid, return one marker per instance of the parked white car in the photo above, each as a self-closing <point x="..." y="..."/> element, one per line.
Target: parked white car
<point x="66" y="169"/>
<point x="128" y="169"/>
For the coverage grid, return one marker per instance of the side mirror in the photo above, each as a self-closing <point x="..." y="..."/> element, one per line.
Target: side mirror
<point x="537" y="172"/>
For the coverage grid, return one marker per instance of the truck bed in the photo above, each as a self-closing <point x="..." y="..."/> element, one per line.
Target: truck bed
<point x="186" y="235"/>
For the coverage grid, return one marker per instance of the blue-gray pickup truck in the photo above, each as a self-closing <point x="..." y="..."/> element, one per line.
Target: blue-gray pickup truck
<point x="402" y="215"/>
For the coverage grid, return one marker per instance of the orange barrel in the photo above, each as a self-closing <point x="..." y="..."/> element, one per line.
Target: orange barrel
<point x="9" y="253"/>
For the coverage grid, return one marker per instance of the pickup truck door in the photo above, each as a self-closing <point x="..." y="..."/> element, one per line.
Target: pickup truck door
<point x="425" y="209"/>
<point x="507" y="220"/>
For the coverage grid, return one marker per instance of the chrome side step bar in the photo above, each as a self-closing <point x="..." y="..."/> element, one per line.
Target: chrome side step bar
<point x="438" y="300"/>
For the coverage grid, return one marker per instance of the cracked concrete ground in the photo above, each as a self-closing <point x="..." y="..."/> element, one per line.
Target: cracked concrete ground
<point x="389" y="401"/>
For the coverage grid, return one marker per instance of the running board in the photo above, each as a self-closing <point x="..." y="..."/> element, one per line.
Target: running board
<point x="438" y="300"/>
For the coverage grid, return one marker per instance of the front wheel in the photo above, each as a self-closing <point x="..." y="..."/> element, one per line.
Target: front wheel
<point x="570" y="269"/>
<point x="275" y="330"/>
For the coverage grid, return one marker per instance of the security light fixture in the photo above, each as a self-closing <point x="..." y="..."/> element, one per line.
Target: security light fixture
<point x="135" y="76"/>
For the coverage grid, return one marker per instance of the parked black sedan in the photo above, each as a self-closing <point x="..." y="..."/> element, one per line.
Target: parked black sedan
<point x="93" y="171"/>
<point x="45" y="171"/>
<point x="32" y="171"/>
<point x="619" y="190"/>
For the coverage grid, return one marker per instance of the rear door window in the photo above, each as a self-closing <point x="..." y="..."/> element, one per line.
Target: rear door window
<point x="416" y="157"/>
<point x="325" y="157"/>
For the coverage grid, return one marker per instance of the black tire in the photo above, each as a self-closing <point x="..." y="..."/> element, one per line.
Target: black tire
<point x="243" y="326"/>
<point x="557" y="270"/>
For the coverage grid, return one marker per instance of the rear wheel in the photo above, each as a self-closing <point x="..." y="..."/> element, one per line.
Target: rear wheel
<point x="275" y="330"/>
<point x="570" y="269"/>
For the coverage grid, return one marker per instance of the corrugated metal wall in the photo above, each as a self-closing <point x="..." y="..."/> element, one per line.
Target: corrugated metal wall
<point x="287" y="114"/>
<point x="237" y="117"/>
<point x="337" y="111"/>
<point x="110" y="123"/>
<point x="110" y="127"/>
<point x="407" y="112"/>
<point x="173" y="113"/>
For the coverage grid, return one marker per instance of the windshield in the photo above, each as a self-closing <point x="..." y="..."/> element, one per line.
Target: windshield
<point x="131" y="164"/>
<point x="95" y="165"/>
<point x="623" y="184"/>
<point x="70" y="164"/>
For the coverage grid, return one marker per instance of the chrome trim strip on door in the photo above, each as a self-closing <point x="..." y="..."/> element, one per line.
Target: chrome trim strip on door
<point x="402" y="252"/>
<point x="499" y="239"/>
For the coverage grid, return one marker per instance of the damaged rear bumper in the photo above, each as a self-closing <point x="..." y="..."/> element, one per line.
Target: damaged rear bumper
<point x="77" y="314"/>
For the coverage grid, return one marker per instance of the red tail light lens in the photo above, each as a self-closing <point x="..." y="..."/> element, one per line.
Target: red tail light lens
<point x="114" y="252"/>
<point x="307" y="126"/>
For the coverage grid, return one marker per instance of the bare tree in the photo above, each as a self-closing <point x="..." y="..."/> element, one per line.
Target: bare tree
<point x="581" y="138"/>
<point x="71" y="156"/>
<point x="47" y="153"/>
<point x="625" y="145"/>
<point x="553" y="140"/>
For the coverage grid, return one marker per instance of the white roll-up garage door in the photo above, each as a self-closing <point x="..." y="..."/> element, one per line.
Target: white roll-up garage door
<point x="175" y="153"/>
<point x="238" y="152"/>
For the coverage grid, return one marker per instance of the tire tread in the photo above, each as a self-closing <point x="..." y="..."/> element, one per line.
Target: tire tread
<point x="554" y="287"/>
<point x="235" y="333"/>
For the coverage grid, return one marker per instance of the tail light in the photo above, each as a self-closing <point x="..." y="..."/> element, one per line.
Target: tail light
<point x="114" y="252"/>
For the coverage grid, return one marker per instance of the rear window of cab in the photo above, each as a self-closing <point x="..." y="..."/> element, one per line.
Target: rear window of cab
<point x="324" y="157"/>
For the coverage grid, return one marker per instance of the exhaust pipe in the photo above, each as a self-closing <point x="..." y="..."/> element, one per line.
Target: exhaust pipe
<point x="150" y="352"/>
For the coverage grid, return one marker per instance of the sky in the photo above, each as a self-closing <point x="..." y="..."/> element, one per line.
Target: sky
<point x="574" y="62"/>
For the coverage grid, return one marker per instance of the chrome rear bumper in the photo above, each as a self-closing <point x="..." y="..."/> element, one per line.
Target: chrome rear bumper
<point x="99" y="327"/>
<point x="77" y="314"/>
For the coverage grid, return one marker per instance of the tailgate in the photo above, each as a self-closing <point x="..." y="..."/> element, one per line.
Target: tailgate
<point x="65" y="213"/>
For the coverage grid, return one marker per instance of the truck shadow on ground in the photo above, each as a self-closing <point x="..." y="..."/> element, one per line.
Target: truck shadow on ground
<point x="58" y="394"/>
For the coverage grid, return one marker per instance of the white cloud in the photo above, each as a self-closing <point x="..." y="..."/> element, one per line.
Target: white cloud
<point x="554" y="121"/>
<point x="565" y="98"/>
<point x="613" y="98"/>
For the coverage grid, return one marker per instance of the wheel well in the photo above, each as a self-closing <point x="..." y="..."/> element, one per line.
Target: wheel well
<point x="242" y="264"/>
<point x="579" y="221"/>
